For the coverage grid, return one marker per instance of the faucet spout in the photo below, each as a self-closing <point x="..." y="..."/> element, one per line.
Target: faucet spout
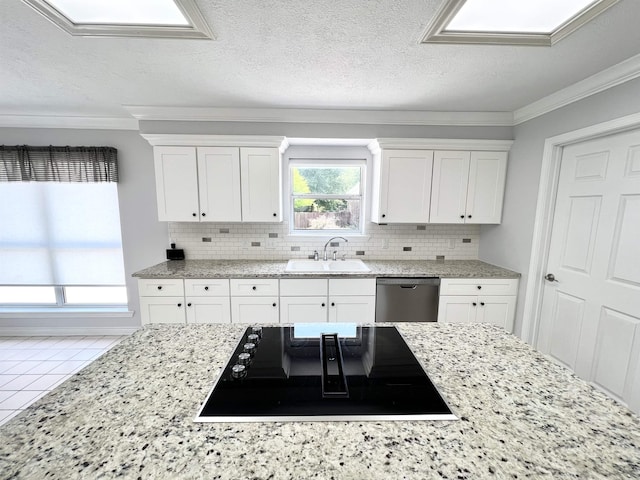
<point x="324" y="257"/>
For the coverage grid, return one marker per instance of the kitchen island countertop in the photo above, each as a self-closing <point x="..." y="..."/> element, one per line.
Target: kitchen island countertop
<point x="276" y="269"/>
<point x="130" y="415"/>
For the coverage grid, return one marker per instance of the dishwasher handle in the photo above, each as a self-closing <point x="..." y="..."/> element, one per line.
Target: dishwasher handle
<point x="412" y="287"/>
<point x="408" y="282"/>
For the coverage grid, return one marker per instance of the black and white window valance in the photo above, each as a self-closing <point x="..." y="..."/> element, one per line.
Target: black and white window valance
<point x="24" y="163"/>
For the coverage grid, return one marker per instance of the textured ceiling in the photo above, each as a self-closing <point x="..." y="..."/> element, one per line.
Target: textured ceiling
<point x="296" y="54"/>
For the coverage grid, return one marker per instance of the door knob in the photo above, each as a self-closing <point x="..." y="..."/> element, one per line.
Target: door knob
<point x="550" y="277"/>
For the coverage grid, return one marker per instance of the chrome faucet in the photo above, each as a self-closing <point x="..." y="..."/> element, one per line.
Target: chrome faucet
<point x="324" y="257"/>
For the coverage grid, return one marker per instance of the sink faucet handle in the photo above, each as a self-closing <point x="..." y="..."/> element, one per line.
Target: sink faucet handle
<point x="335" y="253"/>
<point x="344" y="257"/>
<point x="316" y="256"/>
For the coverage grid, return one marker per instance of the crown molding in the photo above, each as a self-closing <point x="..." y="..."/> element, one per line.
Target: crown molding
<point x="63" y="121"/>
<point x="197" y="28"/>
<point x="189" y="140"/>
<point x="618" y="74"/>
<point x="440" y="144"/>
<point x="305" y="115"/>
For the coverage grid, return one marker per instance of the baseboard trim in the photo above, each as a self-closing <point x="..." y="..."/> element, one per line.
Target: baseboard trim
<point x="25" y="331"/>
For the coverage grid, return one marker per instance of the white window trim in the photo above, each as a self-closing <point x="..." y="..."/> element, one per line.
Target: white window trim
<point x="346" y="162"/>
<point x="61" y="305"/>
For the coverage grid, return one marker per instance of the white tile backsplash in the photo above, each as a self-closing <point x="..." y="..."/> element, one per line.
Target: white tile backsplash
<point x="388" y="242"/>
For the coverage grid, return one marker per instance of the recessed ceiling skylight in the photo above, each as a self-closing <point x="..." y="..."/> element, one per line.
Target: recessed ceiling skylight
<point x="525" y="22"/>
<point x="144" y="18"/>
<point x="540" y="16"/>
<point x="128" y="12"/>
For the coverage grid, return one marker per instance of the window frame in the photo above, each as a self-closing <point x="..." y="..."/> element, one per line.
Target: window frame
<point x="322" y="162"/>
<point x="61" y="300"/>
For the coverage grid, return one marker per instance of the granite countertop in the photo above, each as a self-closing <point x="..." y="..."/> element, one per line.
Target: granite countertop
<point x="276" y="269"/>
<point x="130" y="415"/>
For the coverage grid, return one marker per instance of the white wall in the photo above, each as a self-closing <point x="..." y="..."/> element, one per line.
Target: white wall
<point x="509" y="244"/>
<point x="144" y="239"/>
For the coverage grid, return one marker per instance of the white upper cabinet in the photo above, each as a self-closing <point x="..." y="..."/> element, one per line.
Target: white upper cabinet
<point x="438" y="180"/>
<point x="468" y="187"/>
<point x="177" y="184"/>
<point x="450" y="181"/>
<point x="219" y="184"/>
<point x="403" y="193"/>
<point x="261" y="185"/>
<point x="212" y="178"/>
<point x="487" y="174"/>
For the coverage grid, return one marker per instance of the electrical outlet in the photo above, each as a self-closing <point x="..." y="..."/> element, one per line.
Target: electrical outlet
<point x="385" y="243"/>
<point x="452" y="243"/>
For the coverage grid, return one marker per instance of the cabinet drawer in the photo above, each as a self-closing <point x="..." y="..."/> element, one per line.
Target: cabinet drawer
<point x="478" y="286"/>
<point x="254" y="287"/>
<point x="168" y="287"/>
<point x="304" y="287"/>
<point x="218" y="287"/>
<point x="352" y="286"/>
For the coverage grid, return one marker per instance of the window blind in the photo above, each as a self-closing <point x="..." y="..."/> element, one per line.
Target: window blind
<point x="60" y="234"/>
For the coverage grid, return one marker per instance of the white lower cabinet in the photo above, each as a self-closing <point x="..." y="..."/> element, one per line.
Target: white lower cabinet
<point x="254" y="300"/>
<point x="207" y="300"/>
<point x="467" y="300"/>
<point x="161" y="300"/>
<point x="322" y="300"/>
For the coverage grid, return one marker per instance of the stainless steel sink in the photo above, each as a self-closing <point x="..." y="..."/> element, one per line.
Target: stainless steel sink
<point x="303" y="265"/>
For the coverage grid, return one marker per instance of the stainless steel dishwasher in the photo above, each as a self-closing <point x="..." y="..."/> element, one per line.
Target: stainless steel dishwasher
<point x="407" y="299"/>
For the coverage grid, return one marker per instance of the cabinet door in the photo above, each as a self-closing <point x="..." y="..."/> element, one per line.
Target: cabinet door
<point x="208" y="310"/>
<point x="405" y="190"/>
<point x="257" y="310"/>
<point x="303" y="309"/>
<point x="352" y="309"/>
<point x="176" y="184"/>
<point x="457" y="309"/>
<point x="219" y="184"/>
<point x="449" y="187"/>
<point x="261" y="184"/>
<point x="498" y="310"/>
<point x="487" y="172"/>
<point x="162" y="310"/>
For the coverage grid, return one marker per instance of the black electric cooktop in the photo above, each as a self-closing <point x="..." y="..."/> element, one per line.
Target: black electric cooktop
<point x="316" y="372"/>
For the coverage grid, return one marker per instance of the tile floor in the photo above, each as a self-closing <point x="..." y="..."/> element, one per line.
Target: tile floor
<point x="30" y="367"/>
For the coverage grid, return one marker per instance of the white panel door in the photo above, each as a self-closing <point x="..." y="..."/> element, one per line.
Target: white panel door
<point x="457" y="308"/>
<point x="405" y="191"/>
<point x="208" y="310"/>
<point x="176" y="184"/>
<point x="449" y="187"/>
<point x="162" y="310"/>
<point x="303" y="309"/>
<point x="352" y="309"/>
<point x="487" y="173"/>
<point x="258" y="310"/>
<point x="261" y="184"/>
<point x="496" y="309"/>
<point x="590" y="318"/>
<point x="219" y="184"/>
